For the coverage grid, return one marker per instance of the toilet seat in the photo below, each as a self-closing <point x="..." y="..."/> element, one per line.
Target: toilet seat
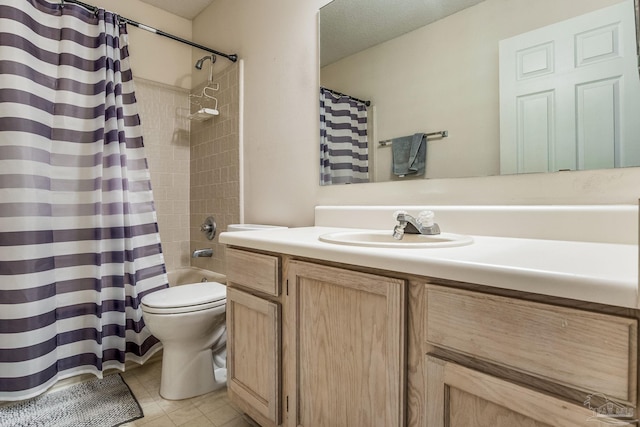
<point x="185" y="298"/>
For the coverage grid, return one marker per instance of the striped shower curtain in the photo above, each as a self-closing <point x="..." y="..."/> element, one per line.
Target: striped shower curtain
<point x="344" y="152"/>
<point x="79" y="243"/>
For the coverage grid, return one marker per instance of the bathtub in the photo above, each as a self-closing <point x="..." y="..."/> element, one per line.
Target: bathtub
<point x="185" y="275"/>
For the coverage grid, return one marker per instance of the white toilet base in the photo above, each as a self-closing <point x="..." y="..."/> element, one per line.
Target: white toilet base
<point x="187" y="374"/>
<point x="221" y="377"/>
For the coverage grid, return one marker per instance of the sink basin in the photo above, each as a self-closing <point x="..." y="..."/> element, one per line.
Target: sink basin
<point x="384" y="239"/>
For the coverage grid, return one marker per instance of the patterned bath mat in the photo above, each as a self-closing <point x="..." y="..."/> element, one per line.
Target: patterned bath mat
<point x="106" y="402"/>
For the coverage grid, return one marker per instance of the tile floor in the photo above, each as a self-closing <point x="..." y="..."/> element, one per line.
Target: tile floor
<point x="209" y="410"/>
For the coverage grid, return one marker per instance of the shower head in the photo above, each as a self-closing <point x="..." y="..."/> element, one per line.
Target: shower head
<point x="200" y="61"/>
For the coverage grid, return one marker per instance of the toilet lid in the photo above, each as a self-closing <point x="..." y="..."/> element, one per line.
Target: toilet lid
<point x="190" y="295"/>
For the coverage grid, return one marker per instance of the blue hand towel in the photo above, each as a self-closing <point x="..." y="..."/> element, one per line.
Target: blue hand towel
<point x="409" y="155"/>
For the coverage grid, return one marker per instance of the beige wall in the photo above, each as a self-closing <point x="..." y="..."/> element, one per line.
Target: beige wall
<point x="418" y="83"/>
<point x="278" y="41"/>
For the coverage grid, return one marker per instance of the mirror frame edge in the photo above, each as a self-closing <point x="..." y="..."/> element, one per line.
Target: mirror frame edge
<point x="637" y="15"/>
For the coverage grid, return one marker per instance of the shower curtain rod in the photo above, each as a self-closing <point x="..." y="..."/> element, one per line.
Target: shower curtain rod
<point x="335" y="92"/>
<point x="231" y="57"/>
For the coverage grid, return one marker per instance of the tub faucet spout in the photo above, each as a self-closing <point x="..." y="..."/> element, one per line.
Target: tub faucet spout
<point x="206" y="252"/>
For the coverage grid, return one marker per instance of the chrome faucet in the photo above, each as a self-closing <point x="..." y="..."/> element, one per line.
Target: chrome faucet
<point x="407" y="224"/>
<point x="206" y="252"/>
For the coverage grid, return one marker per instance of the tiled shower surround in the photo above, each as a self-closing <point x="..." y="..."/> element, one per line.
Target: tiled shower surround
<point x="215" y="164"/>
<point x="163" y="112"/>
<point x="194" y="166"/>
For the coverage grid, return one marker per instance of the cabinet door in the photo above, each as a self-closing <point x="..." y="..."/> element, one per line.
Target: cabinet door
<point x="346" y="333"/>
<point x="253" y="355"/>
<point x="462" y="397"/>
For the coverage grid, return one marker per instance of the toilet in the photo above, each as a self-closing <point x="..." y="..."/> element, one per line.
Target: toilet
<point x="189" y="321"/>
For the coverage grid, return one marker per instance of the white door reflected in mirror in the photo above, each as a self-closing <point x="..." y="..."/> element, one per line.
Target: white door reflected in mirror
<point x="566" y="99"/>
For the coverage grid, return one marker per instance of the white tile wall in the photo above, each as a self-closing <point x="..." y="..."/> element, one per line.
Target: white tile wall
<point x="163" y="112"/>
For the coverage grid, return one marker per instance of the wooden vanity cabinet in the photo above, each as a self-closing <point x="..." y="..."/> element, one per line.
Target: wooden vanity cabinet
<point x="346" y="358"/>
<point x="314" y="344"/>
<point x="254" y="314"/>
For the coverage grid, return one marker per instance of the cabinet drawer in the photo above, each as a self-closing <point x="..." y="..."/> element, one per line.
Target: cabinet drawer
<point x="591" y="352"/>
<point x="258" y="272"/>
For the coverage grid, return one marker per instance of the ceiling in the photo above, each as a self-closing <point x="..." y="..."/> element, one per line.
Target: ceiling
<point x="349" y="26"/>
<point x="188" y="9"/>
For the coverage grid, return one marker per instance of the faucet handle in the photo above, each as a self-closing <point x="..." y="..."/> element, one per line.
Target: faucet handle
<point x="425" y="218"/>
<point x="209" y="228"/>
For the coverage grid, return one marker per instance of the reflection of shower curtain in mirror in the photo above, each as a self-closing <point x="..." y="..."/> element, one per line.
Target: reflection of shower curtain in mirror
<point x="344" y="157"/>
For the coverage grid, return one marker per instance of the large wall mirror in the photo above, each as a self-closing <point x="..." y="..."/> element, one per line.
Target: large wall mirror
<point x="505" y="87"/>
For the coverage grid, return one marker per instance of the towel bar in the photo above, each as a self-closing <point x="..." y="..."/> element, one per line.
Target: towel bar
<point x="441" y="134"/>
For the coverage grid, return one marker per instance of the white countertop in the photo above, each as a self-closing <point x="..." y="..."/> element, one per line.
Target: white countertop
<point x="605" y="273"/>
